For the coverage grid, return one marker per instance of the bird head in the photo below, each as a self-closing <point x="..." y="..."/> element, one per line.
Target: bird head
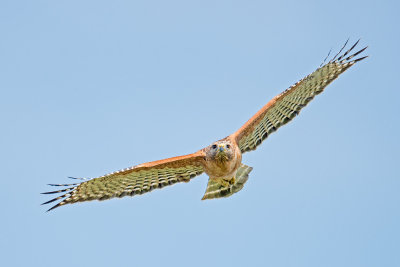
<point x="220" y="151"/>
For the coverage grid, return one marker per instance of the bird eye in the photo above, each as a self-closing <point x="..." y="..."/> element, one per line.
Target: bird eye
<point x="228" y="146"/>
<point x="214" y="146"/>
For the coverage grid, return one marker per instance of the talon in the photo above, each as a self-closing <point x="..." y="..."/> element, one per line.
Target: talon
<point x="223" y="183"/>
<point x="227" y="183"/>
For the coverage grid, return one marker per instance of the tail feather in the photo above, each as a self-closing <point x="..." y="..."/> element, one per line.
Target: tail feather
<point x="217" y="190"/>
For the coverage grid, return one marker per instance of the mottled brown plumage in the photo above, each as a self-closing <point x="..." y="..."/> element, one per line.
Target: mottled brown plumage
<point x="222" y="160"/>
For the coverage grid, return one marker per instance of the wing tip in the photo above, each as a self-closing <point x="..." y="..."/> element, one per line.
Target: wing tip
<point x="344" y="58"/>
<point x="359" y="59"/>
<point x="54" y="207"/>
<point x="68" y="192"/>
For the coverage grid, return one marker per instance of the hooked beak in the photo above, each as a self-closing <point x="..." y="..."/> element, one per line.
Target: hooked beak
<point x="221" y="148"/>
<point x="221" y="155"/>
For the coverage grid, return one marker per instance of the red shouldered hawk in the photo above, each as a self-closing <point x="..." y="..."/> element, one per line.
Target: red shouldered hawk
<point x="222" y="160"/>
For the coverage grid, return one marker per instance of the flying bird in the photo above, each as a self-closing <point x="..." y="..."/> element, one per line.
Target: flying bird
<point x="222" y="160"/>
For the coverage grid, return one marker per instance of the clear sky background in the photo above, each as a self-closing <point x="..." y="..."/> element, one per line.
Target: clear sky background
<point x="90" y="87"/>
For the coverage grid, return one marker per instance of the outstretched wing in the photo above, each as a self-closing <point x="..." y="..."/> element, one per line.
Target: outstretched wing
<point x="285" y="106"/>
<point x="132" y="181"/>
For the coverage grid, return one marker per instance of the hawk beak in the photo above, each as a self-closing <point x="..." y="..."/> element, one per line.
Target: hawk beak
<point x="221" y="155"/>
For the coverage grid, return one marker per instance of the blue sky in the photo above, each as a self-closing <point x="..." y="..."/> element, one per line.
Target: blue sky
<point x="89" y="87"/>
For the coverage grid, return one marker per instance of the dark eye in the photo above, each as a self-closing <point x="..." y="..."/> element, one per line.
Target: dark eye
<point x="228" y="146"/>
<point x="214" y="146"/>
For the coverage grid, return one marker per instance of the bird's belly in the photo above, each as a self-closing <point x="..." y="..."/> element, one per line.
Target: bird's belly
<point x="224" y="170"/>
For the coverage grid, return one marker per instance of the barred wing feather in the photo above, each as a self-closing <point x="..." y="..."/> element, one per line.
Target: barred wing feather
<point x="285" y="106"/>
<point x="132" y="181"/>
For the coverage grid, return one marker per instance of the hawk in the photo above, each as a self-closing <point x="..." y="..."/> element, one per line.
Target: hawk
<point x="222" y="160"/>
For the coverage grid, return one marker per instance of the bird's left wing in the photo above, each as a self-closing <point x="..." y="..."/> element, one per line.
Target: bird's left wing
<point x="132" y="181"/>
<point x="285" y="106"/>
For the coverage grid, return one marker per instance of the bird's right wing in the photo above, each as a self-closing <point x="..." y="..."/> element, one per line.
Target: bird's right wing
<point x="285" y="106"/>
<point x="132" y="181"/>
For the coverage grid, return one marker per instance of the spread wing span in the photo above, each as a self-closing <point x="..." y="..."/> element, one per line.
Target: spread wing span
<point x="132" y="181"/>
<point x="285" y="106"/>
